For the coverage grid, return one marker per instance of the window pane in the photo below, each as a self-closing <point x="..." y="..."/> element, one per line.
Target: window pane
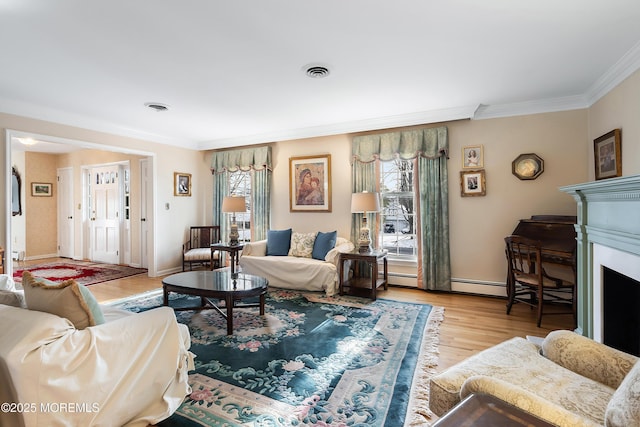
<point x="240" y="185"/>
<point x="397" y="234"/>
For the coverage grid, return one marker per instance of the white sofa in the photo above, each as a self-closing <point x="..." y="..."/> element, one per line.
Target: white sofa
<point x="295" y="272"/>
<point x="131" y="370"/>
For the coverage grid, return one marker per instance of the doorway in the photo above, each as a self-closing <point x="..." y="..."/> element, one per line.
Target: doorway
<point x="106" y="214"/>
<point x="73" y="183"/>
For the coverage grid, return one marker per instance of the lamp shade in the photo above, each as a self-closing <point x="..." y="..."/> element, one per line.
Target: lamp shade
<point x="233" y="204"/>
<point x="365" y="202"/>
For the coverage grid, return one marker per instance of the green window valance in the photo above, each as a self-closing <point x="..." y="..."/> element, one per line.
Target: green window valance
<point x="428" y="143"/>
<point x="244" y="159"/>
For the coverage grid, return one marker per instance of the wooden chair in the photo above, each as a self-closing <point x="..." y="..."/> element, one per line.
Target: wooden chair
<point x="197" y="250"/>
<point x="529" y="283"/>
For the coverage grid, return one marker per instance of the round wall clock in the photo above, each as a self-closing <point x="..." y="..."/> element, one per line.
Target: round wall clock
<point x="527" y="166"/>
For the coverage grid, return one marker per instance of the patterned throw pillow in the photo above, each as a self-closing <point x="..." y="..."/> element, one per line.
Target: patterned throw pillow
<point x="302" y="244"/>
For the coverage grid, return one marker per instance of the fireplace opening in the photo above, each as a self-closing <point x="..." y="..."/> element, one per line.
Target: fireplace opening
<point x="621" y="311"/>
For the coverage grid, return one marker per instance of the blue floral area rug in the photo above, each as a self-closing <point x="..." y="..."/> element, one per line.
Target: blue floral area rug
<point x="311" y="360"/>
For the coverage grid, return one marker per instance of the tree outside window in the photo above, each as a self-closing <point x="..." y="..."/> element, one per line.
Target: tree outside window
<point x="398" y="225"/>
<point x="240" y="185"/>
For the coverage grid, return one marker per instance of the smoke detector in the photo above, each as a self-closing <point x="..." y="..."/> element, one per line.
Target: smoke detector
<point x="316" y="71"/>
<point x="156" y="106"/>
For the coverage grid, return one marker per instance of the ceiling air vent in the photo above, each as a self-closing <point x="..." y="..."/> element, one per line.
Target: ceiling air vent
<point x="317" y="71"/>
<point x="157" y="106"/>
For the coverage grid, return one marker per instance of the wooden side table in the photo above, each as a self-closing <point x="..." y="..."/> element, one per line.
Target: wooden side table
<point x="359" y="284"/>
<point x="233" y="252"/>
<point x="483" y="410"/>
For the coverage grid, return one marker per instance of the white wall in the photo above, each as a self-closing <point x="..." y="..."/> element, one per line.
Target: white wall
<point x="620" y="108"/>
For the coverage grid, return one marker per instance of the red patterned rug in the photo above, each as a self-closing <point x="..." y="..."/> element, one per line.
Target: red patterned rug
<point x="85" y="273"/>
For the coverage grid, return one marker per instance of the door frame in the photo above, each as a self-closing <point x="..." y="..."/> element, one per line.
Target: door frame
<point x="12" y="134"/>
<point x="123" y="237"/>
<point x="62" y="222"/>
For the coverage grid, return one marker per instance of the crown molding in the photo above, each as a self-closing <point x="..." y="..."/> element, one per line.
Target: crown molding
<point x="621" y="70"/>
<point x="420" y="118"/>
<point x="627" y="65"/>
<point x="37" y="112"/>
<point x="531" y="107"/>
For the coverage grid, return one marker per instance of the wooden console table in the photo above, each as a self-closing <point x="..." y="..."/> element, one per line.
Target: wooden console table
<point x="360" y="284"/>
<point x="483" y="410"/>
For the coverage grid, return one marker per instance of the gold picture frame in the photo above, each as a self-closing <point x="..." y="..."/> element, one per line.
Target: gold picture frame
<point x="527" y="166"/>
<point x="473" y="183"/>
<point x="607" y="154"/>
<point x="181" y="184"/>
<point x="310" y="183"/>
<point x="41" y="189"/>
<point x="472" y="157"/>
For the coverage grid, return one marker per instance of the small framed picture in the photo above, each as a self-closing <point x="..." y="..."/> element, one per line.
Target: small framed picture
<point x="41" y="189"/>
<point x="472" y="183"/>
<point x="310" y="184"/>
<point x="608" y="155"/>
<point x="472" y="157"/>
<point x="181" y="184"/>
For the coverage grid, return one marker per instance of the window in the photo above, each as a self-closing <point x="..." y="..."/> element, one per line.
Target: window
<point x="398" y="224"/>
<point x="240" y="185"/>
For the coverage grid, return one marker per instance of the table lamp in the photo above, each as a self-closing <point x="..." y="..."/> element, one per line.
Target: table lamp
<point x="362" y="203"/>
<point x="233" y="204"/>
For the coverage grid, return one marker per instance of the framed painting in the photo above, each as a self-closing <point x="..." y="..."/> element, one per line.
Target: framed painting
<point x="310" y="183"/>
<point x="181" y="184"/>
<point x="607" y="151"/>
<point x="472" y="183"/>
<point x="41" y="189"/>
<point x="472" y="157"/>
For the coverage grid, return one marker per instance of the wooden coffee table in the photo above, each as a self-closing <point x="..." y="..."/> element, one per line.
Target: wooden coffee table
<point x="217" y="284"/>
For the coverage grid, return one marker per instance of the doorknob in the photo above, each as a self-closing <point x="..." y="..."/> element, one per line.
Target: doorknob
<point x="69" y="217"/>
<point x="143" y="219"/>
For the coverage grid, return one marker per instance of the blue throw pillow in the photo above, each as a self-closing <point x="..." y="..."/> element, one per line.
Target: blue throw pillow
<point x="323" y="244"/>
<point x="278" y="242"/>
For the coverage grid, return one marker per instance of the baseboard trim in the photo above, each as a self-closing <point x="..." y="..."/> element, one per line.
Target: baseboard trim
<point x="31" y="258"/>
<point x="466" y="286"/>
<point x="168" y="271"/>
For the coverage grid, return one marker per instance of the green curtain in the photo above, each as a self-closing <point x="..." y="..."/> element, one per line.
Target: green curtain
<point x="261" y="203"/>
<point x="363" y="178"/>
<point x="434" y="267"/>
<point x="220" y="189"/>
<point x="431" y="147"/>
<point x="257" y="160"/>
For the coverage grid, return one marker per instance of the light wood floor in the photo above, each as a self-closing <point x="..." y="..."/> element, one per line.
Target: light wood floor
<point x="471" y="323"/>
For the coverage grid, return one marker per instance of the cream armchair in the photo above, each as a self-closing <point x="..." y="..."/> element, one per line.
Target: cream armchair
<point x="570" y="380"/>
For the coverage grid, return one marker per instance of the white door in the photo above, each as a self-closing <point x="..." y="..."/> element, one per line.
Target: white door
<point x="144" y="209"/>
<point x="65" y="213"/>
<point x="105" y="214"/>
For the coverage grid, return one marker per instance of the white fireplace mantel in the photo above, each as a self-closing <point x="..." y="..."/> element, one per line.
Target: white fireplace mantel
<point x="608" y="217"/>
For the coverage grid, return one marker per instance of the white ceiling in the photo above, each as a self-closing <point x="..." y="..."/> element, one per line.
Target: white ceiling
<point x="232" y="72"/>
